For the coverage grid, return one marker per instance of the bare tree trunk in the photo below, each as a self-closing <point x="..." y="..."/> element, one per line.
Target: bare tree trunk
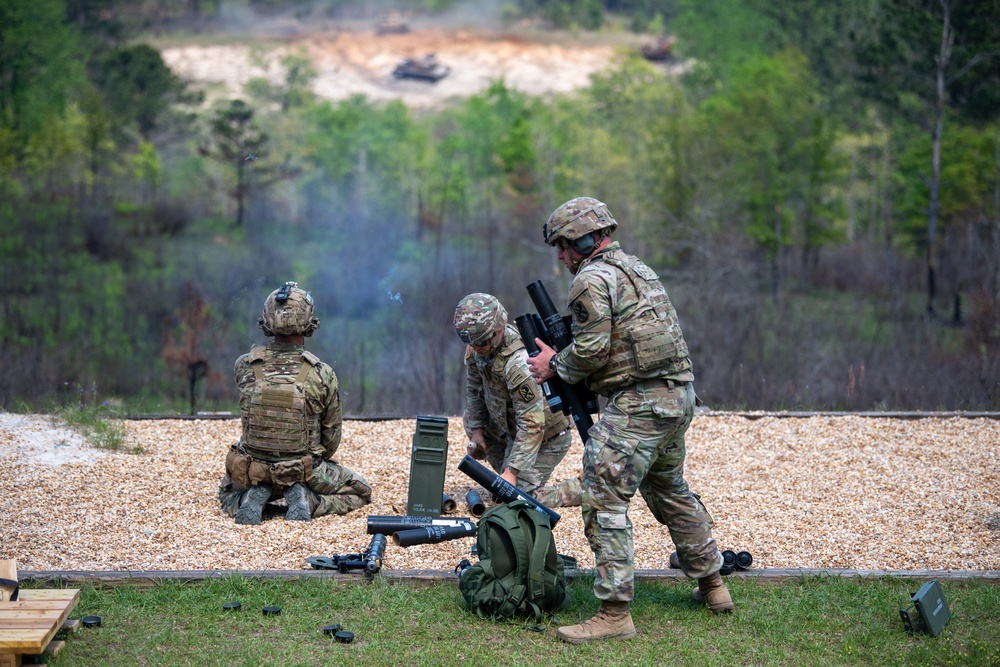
<point x="947" y="39"/>
<point x="994" y="276"/>
<point x="241" y="191"/>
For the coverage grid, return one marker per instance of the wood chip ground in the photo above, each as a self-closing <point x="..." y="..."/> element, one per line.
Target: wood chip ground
<point x="819" y="492"/>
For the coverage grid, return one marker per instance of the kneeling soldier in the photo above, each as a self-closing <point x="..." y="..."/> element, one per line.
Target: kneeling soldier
<point x="291" y="416"/>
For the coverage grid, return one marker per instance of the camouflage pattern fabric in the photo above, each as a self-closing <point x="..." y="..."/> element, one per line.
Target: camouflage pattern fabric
<point x="532" y="480"/>
<point x="564" y="494"/>
<point x="638" y="443"/>
<point x="576" y="218"/>
<point x="602" y="293"/>
<point x="288" y="311"/>
<point x="322" y="391"/>
<point x="478" y="316"/>
<point x="340" y="490"/>
<point x="520" y="430"/>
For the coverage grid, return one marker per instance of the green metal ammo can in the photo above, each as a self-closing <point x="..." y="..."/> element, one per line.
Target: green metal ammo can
<point x="427" y="467"/>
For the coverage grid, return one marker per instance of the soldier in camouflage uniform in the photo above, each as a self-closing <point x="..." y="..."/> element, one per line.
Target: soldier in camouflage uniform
<point x="628" y="347"/>
<point x="507" y="418"/>
<point x="291" y="416"/>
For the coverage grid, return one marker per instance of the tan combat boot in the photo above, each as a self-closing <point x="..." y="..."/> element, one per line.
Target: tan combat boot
<point x="613" y="621"/>
<point x="713" y="591"/>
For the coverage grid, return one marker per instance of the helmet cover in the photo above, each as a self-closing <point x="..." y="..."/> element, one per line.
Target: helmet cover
<point x="479" y="316"/>
<point x="288" y="311"/>
<point x="576" y="218"/>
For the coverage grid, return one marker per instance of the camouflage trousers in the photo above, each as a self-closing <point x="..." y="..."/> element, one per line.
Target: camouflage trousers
<point x="532" y="481"/>
<point x="638" y="444"/>
<point x="340" y="490"/>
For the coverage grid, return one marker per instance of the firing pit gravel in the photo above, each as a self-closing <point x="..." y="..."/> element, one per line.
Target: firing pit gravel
<point x="819" y="492"/>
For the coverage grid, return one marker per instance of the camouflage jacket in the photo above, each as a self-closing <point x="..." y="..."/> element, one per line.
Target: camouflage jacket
<point x="501" y="395"/>
<point x="624" y="327"/>
<point x="322" y="391"/>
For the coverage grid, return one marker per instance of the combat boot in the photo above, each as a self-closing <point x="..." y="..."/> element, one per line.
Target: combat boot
<point x="674" y="561"/>
<point x="613" y="621"/>
<point x="712" y="590"/>
<point x="301" y="503"/>
<point x="252" y="504"/>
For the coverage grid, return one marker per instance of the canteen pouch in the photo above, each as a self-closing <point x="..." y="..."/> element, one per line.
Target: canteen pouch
<point x="287" y="473"/>
<point x="237" y="466"/>
<point x="259" y="472"/>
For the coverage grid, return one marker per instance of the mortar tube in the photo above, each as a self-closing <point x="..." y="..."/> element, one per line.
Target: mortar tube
<point x="448" y="504"/>
<point x="432" y="535"/>
<point x="387" y="525"/>
<point x="475" y="503"/>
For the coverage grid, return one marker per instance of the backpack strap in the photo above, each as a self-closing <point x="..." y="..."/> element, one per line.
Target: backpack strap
<point x="513" y="584"/>
<point x="537" y="573"/>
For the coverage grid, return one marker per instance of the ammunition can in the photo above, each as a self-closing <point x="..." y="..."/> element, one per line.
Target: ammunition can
<point x="427" y="467"/>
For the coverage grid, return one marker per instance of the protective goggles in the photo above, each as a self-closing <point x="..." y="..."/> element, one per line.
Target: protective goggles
<point x="477" y="342"/>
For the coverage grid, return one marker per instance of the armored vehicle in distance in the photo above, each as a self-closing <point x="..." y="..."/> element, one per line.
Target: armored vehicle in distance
<point x="392" y="23"/>
<point x="427" y="68"/>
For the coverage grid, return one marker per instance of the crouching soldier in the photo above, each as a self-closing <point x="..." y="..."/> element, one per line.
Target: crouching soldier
<point x="507" y="418"/>
<point x="291" y="417"/>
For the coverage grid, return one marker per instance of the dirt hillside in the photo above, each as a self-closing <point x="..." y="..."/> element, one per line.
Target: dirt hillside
<point x="361" y="62"/>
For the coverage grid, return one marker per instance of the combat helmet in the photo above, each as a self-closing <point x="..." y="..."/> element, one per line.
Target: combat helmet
<point x="479" y="316"/>
<point x="288" y="311"/>
<point x="576" y="218"/>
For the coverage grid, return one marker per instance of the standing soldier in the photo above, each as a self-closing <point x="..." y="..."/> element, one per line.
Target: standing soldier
<point x="507" y="418"/>
<point x="291" y="416"/>
<point x="628" y="346"/>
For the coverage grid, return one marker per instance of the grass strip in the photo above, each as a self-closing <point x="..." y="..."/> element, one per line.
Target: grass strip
<point x="822" y="620"/>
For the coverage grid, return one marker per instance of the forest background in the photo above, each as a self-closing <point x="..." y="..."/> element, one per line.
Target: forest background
<point x="819" y="191"/>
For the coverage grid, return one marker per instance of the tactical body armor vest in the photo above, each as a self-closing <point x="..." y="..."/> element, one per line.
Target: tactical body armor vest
<point x="648" y="343"/>
<point x="496" y="397"/>
<point x="276" y="422"/>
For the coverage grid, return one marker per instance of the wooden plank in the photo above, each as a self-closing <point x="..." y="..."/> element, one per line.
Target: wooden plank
<point x="19" y="640"/>
<point x="70" y="625"/>
<point x="35" y="623"/>
<point x="54" y="647"/>
<point x="29" y="624"/>
<point x="33" y="594"/>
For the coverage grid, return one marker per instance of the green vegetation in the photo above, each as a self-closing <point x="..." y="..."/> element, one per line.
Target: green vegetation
<point x="98" y="423"/>
<point x="816" y="621"/>
<point x="813" y="202"/>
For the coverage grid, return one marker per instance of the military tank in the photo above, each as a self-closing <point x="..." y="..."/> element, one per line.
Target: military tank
<point x="428" y="68"/>
<point x="393" y="23"/>
<point x="660" y="50"/>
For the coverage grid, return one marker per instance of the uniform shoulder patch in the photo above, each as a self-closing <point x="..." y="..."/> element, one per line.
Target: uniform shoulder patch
<point x="516" y="374"/>
<point x="526" y="392"/>
<point x="580" y="311"/>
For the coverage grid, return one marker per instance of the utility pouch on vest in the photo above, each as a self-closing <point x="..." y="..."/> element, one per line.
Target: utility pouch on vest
<point x="237" y="466"/>
<point x="259" y="472"/>
<point x="653" y="346"/>
<point x="287" y="473"/>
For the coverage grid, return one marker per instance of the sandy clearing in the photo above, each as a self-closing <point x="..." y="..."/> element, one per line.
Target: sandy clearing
<point x="361" y="62"/>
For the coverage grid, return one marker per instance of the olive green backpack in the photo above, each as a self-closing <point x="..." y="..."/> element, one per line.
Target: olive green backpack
<point x="519" y="572"/>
